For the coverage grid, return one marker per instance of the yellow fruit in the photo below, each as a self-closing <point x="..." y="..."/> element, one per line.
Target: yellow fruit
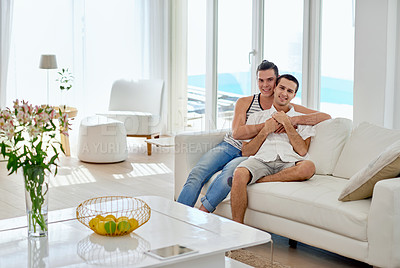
<point x="110" y="217"/>
<point x="123" y="226"/>
<point x="100" y="228"/>
<point x="134" y="224"/>
<point x="110" y="227"/>
<point x="93" y="222"/>
<point x="122" y="218"/>
<point x="100" y="217"/>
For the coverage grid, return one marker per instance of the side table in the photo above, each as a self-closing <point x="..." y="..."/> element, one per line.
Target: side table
<point x="162" y="142"/>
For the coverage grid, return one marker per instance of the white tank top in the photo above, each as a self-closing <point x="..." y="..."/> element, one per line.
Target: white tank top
<point x="255" y="106"/>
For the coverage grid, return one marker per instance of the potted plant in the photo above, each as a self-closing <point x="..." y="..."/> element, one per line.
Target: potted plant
<point x="28" y="142"/>
<point x="65" y="83"/>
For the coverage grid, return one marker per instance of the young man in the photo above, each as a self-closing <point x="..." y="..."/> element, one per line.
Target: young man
<point x="281" y="156"/>
<point x="227" y="155"/>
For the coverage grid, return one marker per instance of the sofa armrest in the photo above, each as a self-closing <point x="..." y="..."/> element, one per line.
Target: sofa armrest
<point x="189" y="147"/>
<point x="384" y="224"/>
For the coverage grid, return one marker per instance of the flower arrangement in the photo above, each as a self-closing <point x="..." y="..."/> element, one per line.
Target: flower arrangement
<point x="28" y="141"/>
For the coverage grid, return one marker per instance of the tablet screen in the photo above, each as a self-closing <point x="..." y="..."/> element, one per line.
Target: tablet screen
<point x="170" y="252"/>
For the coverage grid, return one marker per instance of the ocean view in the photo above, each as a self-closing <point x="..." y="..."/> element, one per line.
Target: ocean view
<point x="336" y="97"/>
<point x="333" y="90"/>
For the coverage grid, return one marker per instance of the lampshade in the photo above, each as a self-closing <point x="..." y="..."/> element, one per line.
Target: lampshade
<point x="48" y="62"/>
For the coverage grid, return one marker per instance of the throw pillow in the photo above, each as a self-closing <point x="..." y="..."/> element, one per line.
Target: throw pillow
<point x="326" y="145"/>
<point x="385" y="166"/>
<point x="365" y="143"/>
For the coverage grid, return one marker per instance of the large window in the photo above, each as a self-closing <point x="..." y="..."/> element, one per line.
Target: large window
<point x="337" y="58"/>
<point x="234" y="45"/>
<point x="233" y="67"/>
<point x="196" y="65"/>
<point x="283" y="37"/>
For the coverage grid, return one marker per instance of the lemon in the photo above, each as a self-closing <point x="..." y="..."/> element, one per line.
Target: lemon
<point x="134" y="224"/>
<point x="110" y="226"/>
<point x="123" y="218"/>
<point x="93" y="222"/>
<point x="100" y="217"/>
<point x="123" y="226"/>
<point x="110" y="217"/>
<point x="100" y="228"/>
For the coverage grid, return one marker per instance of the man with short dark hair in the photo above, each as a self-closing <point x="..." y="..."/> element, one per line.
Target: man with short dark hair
<point x="281" y="156"/>
<point x="227" y="155"/>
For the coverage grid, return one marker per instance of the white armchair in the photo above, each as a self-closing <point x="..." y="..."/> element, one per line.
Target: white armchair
<point x="138" y="104"/>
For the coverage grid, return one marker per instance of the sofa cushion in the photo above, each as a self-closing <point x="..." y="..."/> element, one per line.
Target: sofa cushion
<point x="313" y="202"/>
<point x="384" y="166"/>
<point x="330" y="136"/>
<point x="365" y="143"/>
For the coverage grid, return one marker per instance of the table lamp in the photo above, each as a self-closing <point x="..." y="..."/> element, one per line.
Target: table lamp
<point x="48" y="62"/>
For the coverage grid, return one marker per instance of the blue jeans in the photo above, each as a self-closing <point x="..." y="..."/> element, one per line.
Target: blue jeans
<point x="220" y="187"/>
<point x="214" y="160"/>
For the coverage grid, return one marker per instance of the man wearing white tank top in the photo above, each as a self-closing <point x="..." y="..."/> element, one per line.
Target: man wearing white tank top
<point x="227" y="155"/>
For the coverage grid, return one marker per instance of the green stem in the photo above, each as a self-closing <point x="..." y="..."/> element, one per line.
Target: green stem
<point x="34" y="180"/>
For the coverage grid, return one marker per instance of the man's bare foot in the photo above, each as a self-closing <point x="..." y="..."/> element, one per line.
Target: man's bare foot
<point x="202" y="208"/>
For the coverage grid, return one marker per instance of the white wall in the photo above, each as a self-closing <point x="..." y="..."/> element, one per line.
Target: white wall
<point x="396" y="121"/>
<point x="376" y="63"/>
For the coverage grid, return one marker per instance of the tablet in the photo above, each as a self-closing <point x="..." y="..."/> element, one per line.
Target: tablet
<point x="169" y="252"/>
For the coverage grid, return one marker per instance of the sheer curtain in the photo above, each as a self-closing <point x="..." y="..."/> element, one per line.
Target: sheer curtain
<point x="6" y="7"/>
<point x="38" y="27"/>
<point x="98" y="40"/>
<point x="127" y="40"/>
<point x="154" y="32"/>
<point x="111" y="49"/>
<point x="178" y="65"/>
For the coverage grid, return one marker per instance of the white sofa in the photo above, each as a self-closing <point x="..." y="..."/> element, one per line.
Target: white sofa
<point x="367" y="230"/>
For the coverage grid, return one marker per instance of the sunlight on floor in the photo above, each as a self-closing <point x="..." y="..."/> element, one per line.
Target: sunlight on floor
<point x="146" y="169"/>
<point x="70" y="176"/>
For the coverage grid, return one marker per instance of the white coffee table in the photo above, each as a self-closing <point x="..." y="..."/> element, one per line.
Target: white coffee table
<point x="70" y="243"/>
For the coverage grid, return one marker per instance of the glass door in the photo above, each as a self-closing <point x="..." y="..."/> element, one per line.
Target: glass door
<point x="233" y="64"/>
<point x="283" y="37"/>
<point x="233" y="41"/>
<point x="196" y="65"/>
<point x="337" y="58"/>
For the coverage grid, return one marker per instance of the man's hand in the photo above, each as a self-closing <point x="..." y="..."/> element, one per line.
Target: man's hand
<point x="271" y="125"/>
<point x="251" y="148"/>
<point x="281" y="128"/>
<point x="282" y="118"/>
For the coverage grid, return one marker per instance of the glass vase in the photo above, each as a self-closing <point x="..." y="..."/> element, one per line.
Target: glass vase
<point x="63" y="100"/>
<point x="36" y="197"/>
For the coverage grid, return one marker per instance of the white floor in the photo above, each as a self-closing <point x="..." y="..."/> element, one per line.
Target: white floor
<point x="139" y="175"/>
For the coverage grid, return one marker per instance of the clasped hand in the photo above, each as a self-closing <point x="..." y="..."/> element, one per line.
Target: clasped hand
<point x="276" y="123"/>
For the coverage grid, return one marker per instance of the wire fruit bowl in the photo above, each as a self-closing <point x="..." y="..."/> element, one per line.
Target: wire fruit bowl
<point x="113" y="215"/>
